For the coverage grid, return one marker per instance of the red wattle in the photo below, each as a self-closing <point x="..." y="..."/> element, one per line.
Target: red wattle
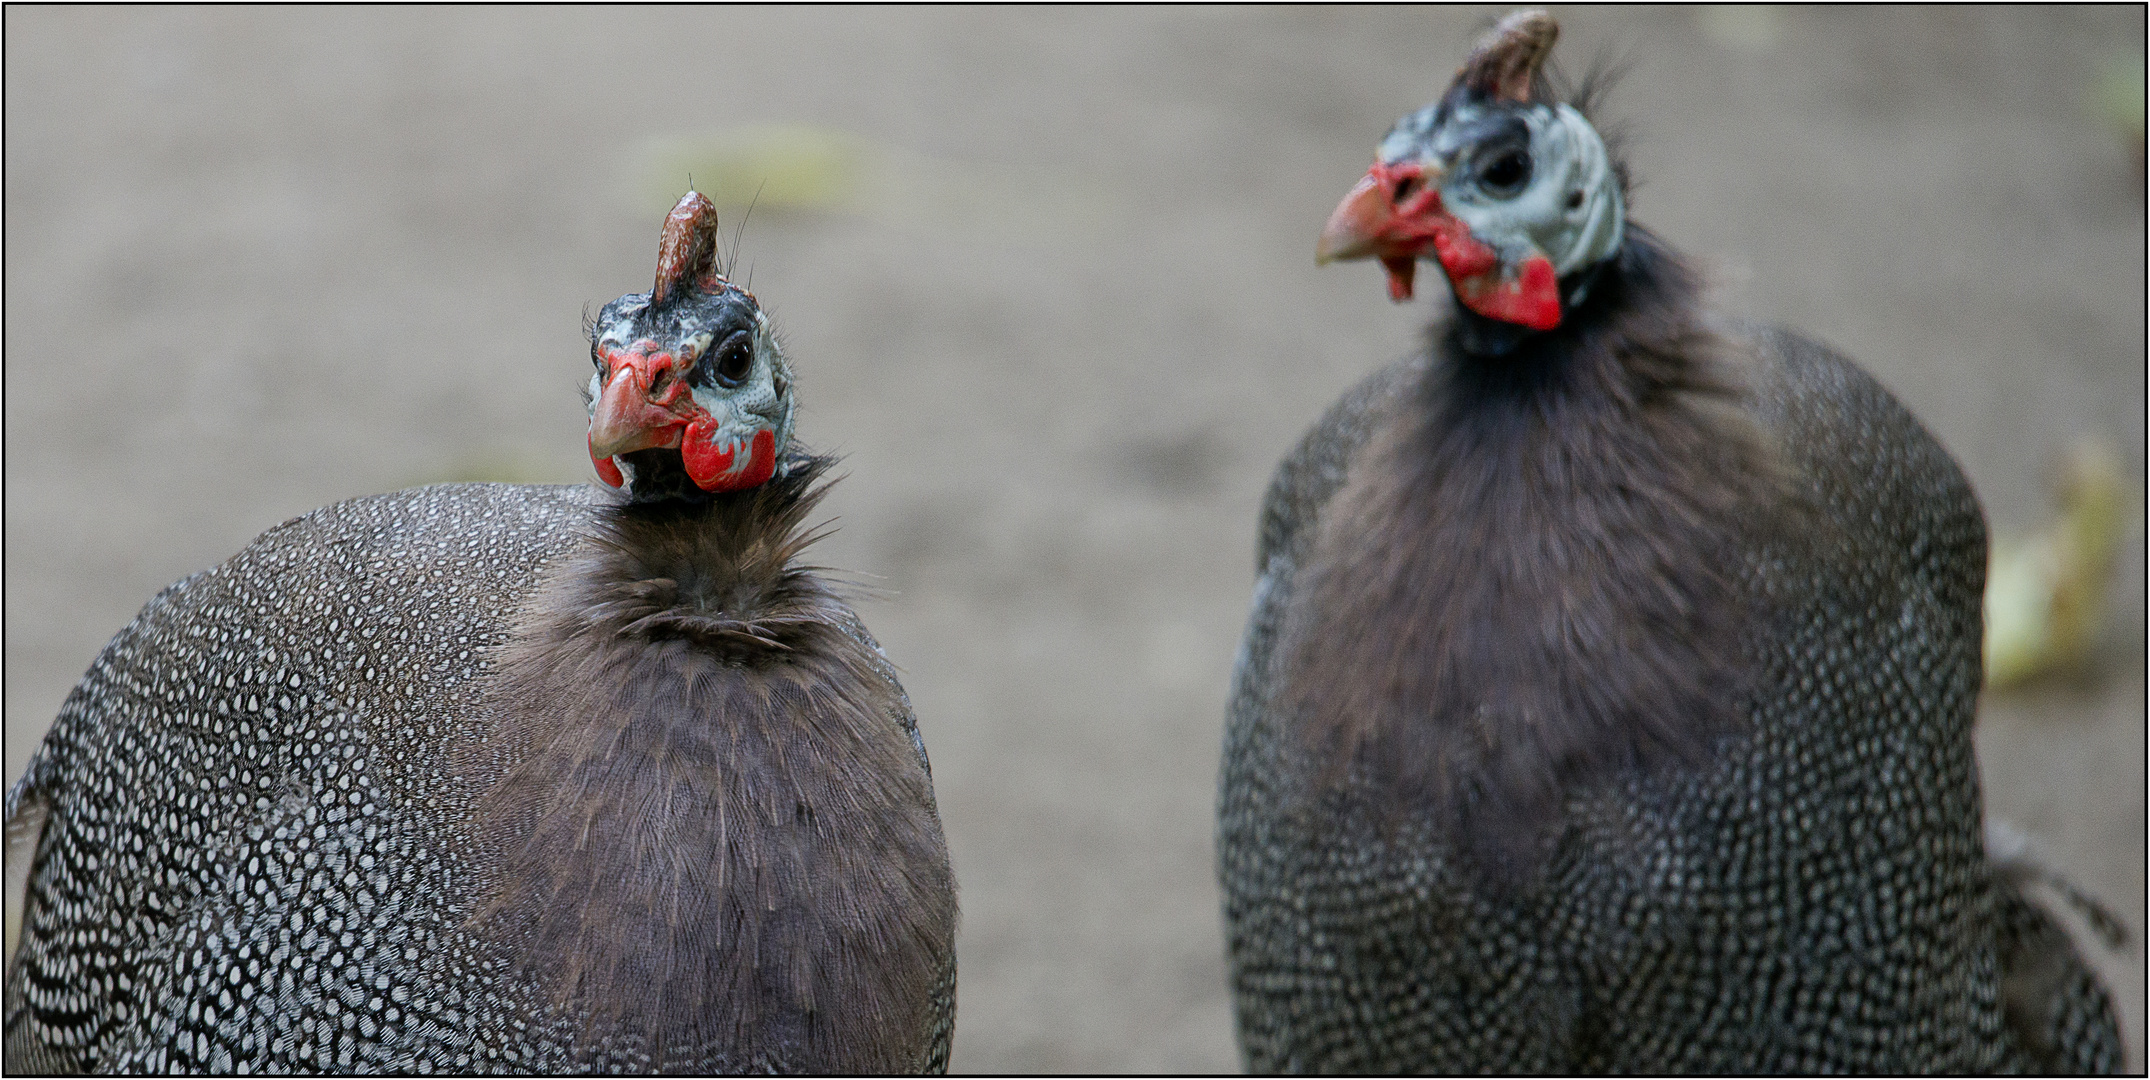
<point x="607" y="471"/>
<point x="763" y="466"/>
<point x="714" y="468"/>
<point x="1461" y="254"/>
<point x="700" y="454"/>
<point x="1531" y="298"/>
<point x="1402" y="269"/>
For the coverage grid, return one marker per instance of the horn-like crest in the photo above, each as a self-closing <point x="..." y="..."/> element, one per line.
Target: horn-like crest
<point x="1505" y="63"/>
<point x="687" y="252"/>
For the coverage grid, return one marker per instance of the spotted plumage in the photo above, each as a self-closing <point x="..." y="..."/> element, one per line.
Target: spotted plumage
<point x="329" y="806"/>
<point x="1606" y="701"/>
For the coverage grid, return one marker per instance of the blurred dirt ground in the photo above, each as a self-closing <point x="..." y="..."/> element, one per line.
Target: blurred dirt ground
<point x="1062" y="320"/>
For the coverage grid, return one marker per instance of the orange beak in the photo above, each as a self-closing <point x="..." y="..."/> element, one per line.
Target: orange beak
<point x="645" y="404"/>
<point x="1356" y="227"/>
<point x="1393" y="213"/>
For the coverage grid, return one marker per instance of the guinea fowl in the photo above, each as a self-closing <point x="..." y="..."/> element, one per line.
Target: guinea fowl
<point x="483" y="777"/>
<point x="1606" y="701"/>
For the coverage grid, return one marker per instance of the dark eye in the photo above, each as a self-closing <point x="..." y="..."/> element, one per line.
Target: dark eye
<point x="731" y="361"/>
<point x="1405" y="187"/>
<point x="1506" y="174"/>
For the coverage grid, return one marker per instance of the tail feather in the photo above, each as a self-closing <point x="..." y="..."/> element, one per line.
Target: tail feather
<point x="2062" y="1018"/>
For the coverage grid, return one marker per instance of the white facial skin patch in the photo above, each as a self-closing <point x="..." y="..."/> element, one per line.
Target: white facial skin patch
<point x="1570" y="209"/>
<point x="761" y="401"/>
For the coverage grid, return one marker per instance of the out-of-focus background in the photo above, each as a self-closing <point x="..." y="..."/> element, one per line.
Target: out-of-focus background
<point x="1047" y="278"/>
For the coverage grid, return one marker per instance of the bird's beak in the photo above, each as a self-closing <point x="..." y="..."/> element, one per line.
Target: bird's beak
<point x="1353" y="230"/>
<point x="1372" y="222"/>
<point x="644" y="404"/>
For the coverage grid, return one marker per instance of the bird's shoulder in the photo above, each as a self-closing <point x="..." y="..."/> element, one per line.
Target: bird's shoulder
<point x="452" y="560"/>
<point x="1855" y="451"/>
<point x="1310" y="475"/>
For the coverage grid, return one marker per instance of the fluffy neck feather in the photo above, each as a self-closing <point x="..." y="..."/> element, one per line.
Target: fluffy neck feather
<point x="1529" y="583"/>
<point x="708" y="835"/>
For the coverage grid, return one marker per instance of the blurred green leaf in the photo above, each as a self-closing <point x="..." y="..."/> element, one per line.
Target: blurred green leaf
<point x="2118" y="94"/>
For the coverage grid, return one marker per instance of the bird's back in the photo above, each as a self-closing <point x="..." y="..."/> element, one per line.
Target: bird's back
<point x="246" y="796"/>
<point x="1811" y="895"/>
<point x="255" y="803"/>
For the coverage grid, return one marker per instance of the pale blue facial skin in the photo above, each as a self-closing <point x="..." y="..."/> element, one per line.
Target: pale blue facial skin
<point x="1570" y="209"/>
<point x="763" y="400"/>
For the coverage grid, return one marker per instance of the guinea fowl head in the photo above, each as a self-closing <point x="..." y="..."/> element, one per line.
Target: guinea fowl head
<point x="692" y="393"/>
<point x="1511" y="191"/>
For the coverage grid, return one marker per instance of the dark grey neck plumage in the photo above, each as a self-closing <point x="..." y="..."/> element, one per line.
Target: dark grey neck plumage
<point x="1531" y="584"/>
<point x="711" y="834"/>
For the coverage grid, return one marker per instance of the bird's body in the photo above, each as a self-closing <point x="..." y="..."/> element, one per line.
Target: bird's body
<point x="486" y="777"/>
<point x="1607" y="695"/>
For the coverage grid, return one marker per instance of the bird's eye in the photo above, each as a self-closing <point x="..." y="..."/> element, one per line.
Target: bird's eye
<point x="1506" y="174"/>
<point x="731" y="361"/>
<point x="1405" y="187"/>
